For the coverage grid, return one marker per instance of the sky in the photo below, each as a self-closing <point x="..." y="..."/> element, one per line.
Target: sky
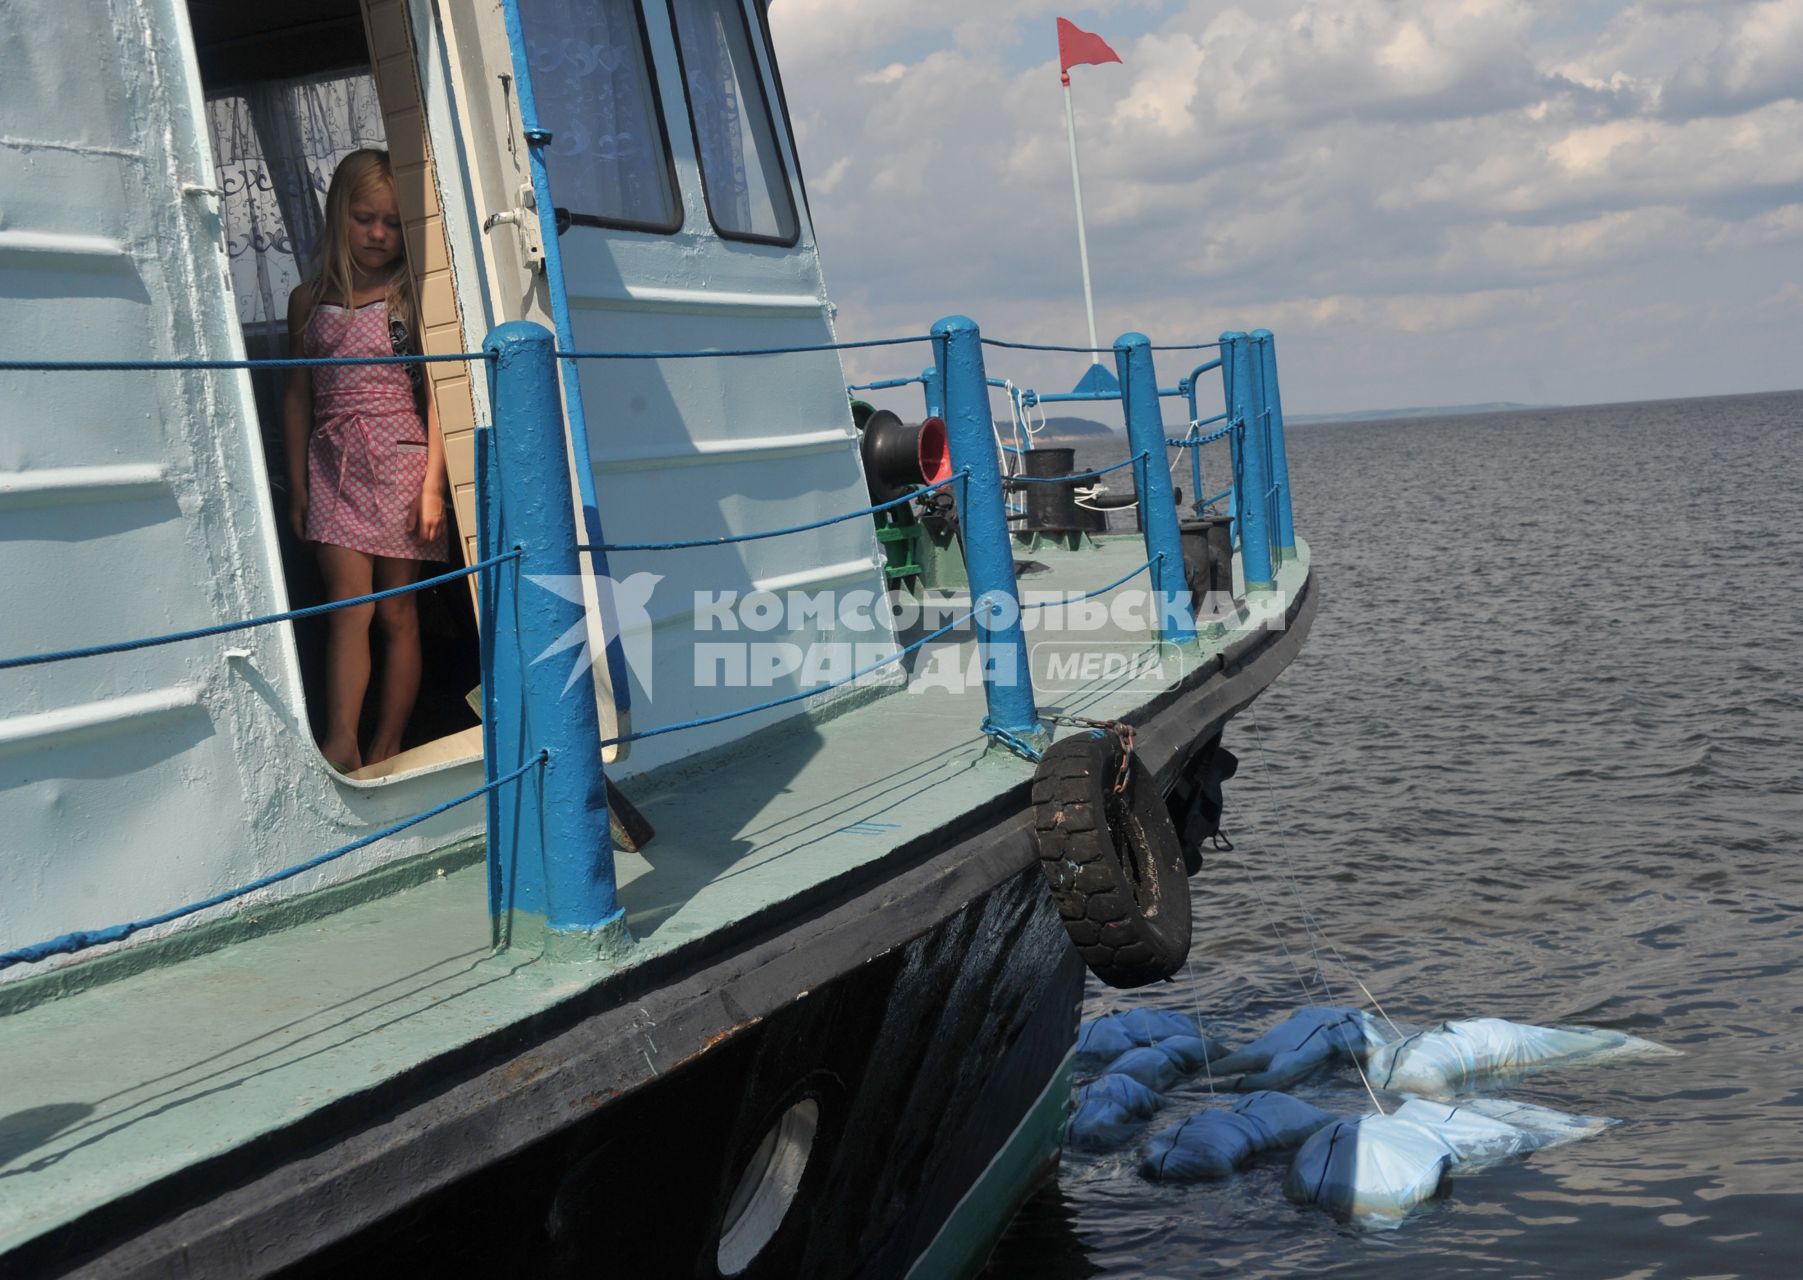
<point x="1431" y="202"/>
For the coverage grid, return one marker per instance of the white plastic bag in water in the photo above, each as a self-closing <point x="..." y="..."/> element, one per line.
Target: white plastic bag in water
<point x="1448" y="1057"/>
<point x="1376" y="1168"/>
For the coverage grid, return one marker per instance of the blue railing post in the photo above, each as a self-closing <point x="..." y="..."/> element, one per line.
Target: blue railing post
<point x="988" y="550"/>
<point x="1264" y="346"/>
<point x="550" y="854"/>
<point x="1157" y="501"/>
<point x="1251" y="479"/>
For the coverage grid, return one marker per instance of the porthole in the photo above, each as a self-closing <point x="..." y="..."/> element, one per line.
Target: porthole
<point x="767" y="1189"/>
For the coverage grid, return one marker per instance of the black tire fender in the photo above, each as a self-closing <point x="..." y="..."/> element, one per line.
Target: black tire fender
<point x="1112" y="860"/>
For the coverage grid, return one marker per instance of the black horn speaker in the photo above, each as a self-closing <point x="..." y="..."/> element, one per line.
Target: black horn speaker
<point x="899" y="455"/>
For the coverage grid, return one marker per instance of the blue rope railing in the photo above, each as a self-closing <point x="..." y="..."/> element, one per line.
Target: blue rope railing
<point x="292" y="615"/>
<point x="799" y="349"/>
<point x="1063" y="599"/>
<point x="1077" y="475"/>
<point x="861" y="672"/>
<point x="1092" y="351"/>
<point x="1209" y="502"/>
<point x="727" y="539"/>
<point x="82" y="939"/>
<point x="272" y="362"/>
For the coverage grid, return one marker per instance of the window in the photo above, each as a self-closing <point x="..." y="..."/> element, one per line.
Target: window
<point x="742" y="172"/>
<point x="596" y="93"/>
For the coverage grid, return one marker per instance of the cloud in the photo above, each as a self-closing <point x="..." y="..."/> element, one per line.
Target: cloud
<point x="1408" y="170"/>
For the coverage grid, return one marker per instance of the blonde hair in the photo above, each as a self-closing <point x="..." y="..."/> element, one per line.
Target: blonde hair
<point x="358" y="174"/>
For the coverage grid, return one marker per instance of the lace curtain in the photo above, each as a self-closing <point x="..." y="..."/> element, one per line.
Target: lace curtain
<point x="594" y="93"/>
<point x="275" y="146"/>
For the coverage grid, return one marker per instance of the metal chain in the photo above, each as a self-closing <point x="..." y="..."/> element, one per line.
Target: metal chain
<point x="1123" y="733"/>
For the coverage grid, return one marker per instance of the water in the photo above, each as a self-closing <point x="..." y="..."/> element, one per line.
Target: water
<point x="1539" y="760"/>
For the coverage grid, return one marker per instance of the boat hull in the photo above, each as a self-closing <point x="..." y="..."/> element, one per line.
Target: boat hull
<point x="927" y="1003"/>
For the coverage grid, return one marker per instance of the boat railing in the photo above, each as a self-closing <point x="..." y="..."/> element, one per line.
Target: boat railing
<point x="1247" y="364"/>
<point x="544" y="785"/>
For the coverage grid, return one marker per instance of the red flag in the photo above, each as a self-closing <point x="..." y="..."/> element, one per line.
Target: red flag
<point x="1077" y="47"/>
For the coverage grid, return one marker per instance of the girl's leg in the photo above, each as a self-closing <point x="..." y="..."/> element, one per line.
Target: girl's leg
<point x="399" y="619"/>
<point x="347" y="573"/>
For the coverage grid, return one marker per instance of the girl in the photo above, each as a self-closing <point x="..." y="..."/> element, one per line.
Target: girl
<point x="365" y="465"/>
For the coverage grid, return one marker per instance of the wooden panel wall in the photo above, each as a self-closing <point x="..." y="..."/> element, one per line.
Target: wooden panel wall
<point x="428" y="252"/>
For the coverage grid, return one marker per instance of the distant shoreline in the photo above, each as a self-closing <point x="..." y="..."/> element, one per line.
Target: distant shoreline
<point x="1079" y="428"/>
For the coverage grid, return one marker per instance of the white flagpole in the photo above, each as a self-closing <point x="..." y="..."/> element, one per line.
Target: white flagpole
<point x="1089" y="302"/>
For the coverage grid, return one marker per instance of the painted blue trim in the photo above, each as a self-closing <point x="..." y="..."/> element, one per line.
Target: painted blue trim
<point x="549" y="844"/>
<point x="1251" y="479"/>
<point x="988" y="548"/>
<point x="220" y="628"/>
<point x="1157" y="496"/>
<point x="932" y="386"/>
<point x="728" y="539"/>
<point x="488" y="586"/>
<point x="560" y="319"/>
<point x="1054" y="397"/>
<point x="1096" y="380"/>
<point x="1264" y="344"/>
<point x="82" y="939"/>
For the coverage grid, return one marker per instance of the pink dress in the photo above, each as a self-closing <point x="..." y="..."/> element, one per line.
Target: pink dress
<point x="366" y="458"/>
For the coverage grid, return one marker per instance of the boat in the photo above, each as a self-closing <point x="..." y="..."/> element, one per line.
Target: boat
<point x="716" y="934"/>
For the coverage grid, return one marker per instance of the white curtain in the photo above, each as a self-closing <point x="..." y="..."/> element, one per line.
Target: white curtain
<point x="275" y="146"/>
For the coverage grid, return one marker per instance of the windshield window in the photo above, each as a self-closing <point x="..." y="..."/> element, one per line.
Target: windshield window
<point x="609" y="157"/>
<point x="742" y="172"/>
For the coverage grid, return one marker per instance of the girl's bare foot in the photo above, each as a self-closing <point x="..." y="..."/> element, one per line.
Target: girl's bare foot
<point x="342" y="756"/>
<point x="380" y="751"/>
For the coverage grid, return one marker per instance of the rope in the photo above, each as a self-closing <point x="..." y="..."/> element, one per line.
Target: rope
<point x="1093" y="351"/>
<point x="126" y="646"/>
<point x="726" y="539"/>
<point x="793" y="697"/>
<point x="1078" y="475"/>
<point x="1194" y="442"/>
<point x="285" y="362"/>
<point x="743" y="351"/>
<point x="1090" y="595"/>
<point x="69" y="943"/>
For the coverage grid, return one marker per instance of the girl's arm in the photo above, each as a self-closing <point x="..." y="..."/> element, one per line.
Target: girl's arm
<point x="429" y="521"/>
<point x="297" y="410"/>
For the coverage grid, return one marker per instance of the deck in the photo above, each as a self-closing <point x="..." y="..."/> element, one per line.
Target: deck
<point x="133" y="1081"/>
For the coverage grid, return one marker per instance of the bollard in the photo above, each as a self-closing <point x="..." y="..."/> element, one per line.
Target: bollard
<point x="1251" y="479"/>
<point x="988" y="550"/>
<point x="1157" y="501"/>
<point x="1283" y="531"/>
<point x="550" y="854"/>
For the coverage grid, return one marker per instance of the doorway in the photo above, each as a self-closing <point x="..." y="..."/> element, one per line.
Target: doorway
<point x="291" y="89"/>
